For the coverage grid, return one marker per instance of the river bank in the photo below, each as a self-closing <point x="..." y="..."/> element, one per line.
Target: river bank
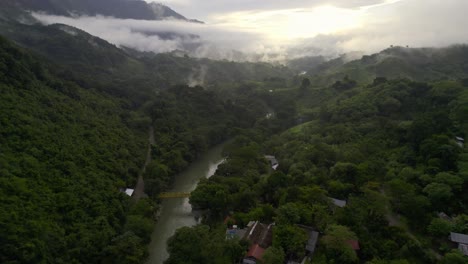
<point x="177" y="212"/>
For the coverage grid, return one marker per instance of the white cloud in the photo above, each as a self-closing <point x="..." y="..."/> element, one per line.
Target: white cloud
<point x="280" y="29"/>
<point x="164" y="36"/>
<point x="205" y="10"/>
<point x="417" y="23"/>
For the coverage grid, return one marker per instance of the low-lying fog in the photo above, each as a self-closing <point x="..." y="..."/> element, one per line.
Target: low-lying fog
<point x="278" y="32"/>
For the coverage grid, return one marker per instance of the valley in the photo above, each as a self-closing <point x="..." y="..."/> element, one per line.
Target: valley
<point x="345" y="159"/>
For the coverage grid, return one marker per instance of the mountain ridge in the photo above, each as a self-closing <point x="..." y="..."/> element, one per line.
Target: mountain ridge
<point x="418" y="64"/>
<point x="124" y="9"/>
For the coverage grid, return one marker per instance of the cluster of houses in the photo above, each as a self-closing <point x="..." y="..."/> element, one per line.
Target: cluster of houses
<point x="260" y="236"/>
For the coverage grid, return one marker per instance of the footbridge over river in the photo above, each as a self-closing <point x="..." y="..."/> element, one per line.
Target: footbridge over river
<point x="168" y="195"/>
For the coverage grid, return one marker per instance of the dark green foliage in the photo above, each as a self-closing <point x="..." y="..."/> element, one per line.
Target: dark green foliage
<point x="274" y="255"/>
<point x="114" y="8"/>
<point x="420" y="64"/>
<point x="70" y="139"/>
<point x="388" y="149"/>
<point x="199" y="245"/>
<point x="65" y="152"/>
<point x="291" y="239"/>
<point x="188" y="121"/>
<point x="96" y="64"/>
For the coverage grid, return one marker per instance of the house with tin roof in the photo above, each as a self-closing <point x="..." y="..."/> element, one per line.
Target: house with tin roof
<point x="261" y="237"/>
<point x="461" y="240"/>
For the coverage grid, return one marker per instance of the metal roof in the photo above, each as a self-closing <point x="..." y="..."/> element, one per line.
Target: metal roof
<point x="129" y="192"/>
<point x="459" y="238"/>
<point x="256" y="251"/>
<point x="272" y="159"/>
<point x="312" y="242"/>
<point x="463" y="248"/>
<point x="339" y="203"/>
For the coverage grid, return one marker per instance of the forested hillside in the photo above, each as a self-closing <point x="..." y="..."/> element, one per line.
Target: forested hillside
<point x="65" y="152"/>
<point x="93" y="62"/>
<point x="338" y="161"/>
<point x="388" y="149"/>
<point x="134" y="9"/>
<point x="418" y="64"/>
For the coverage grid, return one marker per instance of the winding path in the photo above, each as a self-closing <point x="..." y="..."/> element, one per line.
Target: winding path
<point x="140" y="186"/>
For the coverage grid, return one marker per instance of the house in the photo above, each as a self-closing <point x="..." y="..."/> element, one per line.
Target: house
<point x="273" y="161"/>
<point x="460" y="141"/>
<point x="127" y="191"/>
<point x="313" y="238"/>
<point x="461" y="240"/>
<point x="261" y="237"/>
<point x="254" y="255"/>
<point x="261" y="234"/>
<point x="312" y="242"/>
<point x="339" y="203"/>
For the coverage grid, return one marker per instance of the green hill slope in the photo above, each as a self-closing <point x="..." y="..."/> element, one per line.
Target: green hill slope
<point x="65" y="152"/>
<point x="419" y="64"/>
<point x="135" y="9"/>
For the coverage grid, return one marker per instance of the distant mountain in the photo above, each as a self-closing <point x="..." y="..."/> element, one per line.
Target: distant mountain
<point x="124" y="71"/>
<point x="125" y="9"/>
<point x="419" y="64"/>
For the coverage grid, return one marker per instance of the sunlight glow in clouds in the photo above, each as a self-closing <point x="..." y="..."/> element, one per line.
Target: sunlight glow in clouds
<point x="286" y="25"/>
<point x="277" y="30"/>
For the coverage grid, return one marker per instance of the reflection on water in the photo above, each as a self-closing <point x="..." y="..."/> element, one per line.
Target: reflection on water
<point x="176" y="213"/>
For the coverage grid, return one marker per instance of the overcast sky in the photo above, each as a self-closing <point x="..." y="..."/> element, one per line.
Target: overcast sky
<point x="291" y="28"/>
<point x="206" y="10"/>
<point x="369" y="24"/>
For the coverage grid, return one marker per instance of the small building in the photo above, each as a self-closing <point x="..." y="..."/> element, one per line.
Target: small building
<point x="255" y="255"/>
<point x="127" y="191"/>
<point x="273" y="161"/>
<point x="339" y="203"/>
<point x="461" y="240"/>
<point x="261" y="237"/>
<point x="312" y="242"/>
<point x="460" y="141"/>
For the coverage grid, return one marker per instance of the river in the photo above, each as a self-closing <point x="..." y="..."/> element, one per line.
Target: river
<point x="177" y="212"/>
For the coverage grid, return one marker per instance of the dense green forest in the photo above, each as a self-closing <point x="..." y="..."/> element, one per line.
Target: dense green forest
<point x="68" y="149"/>
<point x="65" y="152"/>
<point x="381" y="134"/>
<point x="419" y="64"/>
<point x="95" y="63"/>
<point x="136" y="9"/>
<point x="388" y="148"/>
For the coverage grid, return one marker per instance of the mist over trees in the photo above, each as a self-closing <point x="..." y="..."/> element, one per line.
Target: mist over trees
<point x="369" y="153"/>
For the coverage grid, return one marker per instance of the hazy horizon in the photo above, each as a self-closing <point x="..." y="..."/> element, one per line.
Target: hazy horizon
<point x="278" y="30"/>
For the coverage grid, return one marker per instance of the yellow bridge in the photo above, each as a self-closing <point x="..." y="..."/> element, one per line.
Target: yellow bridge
<point x="167" y="195"/>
